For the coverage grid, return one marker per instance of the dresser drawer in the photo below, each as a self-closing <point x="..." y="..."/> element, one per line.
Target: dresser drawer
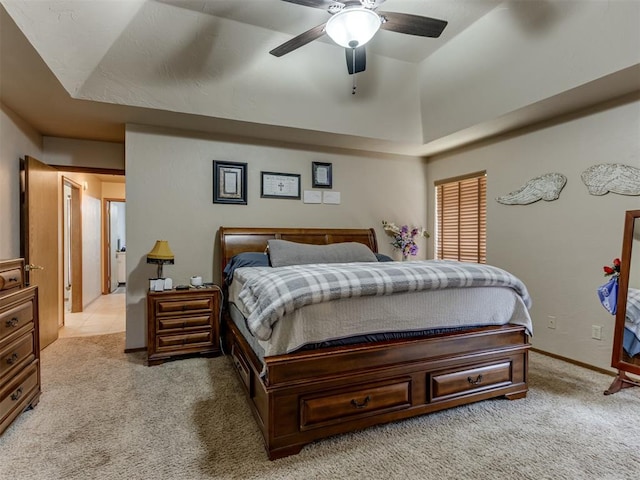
<point x="447" y="385"/>
<point x="10" y="279"/>
<point x="360" y="402"/>
<point x="13" y="319"/>
<point x="183" y="305"/>
<point x="15" y="354"/>
<point x="185" y="340"/>
<point x="17" y="394"/>
<point x="185" y="322"/>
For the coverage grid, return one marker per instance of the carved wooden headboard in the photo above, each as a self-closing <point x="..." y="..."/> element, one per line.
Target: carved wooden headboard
<point x="234" y="240"/>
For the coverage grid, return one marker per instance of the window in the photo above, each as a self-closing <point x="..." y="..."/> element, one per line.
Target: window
<point x="461" y="218"/>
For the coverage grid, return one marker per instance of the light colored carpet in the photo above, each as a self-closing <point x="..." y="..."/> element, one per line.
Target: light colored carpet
<point x="103" y="414"/>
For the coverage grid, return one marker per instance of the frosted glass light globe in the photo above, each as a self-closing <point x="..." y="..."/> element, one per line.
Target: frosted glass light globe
<point x="353" y="27"/>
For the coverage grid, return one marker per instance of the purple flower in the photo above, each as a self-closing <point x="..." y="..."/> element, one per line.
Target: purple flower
<point x="404" y="237"/>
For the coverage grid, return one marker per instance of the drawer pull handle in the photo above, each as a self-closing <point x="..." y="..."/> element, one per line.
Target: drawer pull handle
<point x="12" y="359"/>
<point x="12" y="322"/>
<point x="238" y="366"/>
<point x="17" y="394"/>
<point x="366" y="401"/>
<point x="13" y="279"/>
<point x="475" y="381"/>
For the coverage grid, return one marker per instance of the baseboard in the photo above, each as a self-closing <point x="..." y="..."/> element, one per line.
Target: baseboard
<point x="575" y="362"/>
<point x="137" y="349"/>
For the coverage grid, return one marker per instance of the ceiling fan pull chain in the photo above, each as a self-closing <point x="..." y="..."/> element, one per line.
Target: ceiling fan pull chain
<point x="353" y="53"/>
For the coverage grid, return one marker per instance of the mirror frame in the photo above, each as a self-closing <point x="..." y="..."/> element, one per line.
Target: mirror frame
<point x="617" y="357"/>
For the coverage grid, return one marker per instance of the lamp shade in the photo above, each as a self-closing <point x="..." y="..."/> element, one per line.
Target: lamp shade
<point x="160" y="253"/>
<point x="353" y="27"/>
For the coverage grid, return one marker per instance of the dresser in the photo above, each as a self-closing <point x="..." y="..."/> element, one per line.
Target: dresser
<point x="182" y="322"/>
<point x="19" y="343"/>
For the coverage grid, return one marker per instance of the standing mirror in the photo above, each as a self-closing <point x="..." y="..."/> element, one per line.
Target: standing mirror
<point x="626" y="339"/>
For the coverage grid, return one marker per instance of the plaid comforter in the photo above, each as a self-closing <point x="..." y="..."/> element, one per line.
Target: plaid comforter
<point x="270" y="293"/>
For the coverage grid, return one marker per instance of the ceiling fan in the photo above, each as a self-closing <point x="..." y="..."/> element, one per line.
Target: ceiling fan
<point x="354" y="22"/>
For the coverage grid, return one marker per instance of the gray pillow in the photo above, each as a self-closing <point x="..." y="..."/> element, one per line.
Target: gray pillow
<point x="283" y="253"/>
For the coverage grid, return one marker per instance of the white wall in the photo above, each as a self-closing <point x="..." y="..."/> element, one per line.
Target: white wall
<point x="91" y="249"/>
<point x="557" y="248"/>
<point x="83" y="153"/>
<point x="521" y="53"/>
<point x="170" y="189"/>
<point x="17" y="139"/>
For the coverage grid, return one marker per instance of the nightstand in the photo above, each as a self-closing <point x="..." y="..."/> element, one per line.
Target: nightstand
<point x="182" y="322"/>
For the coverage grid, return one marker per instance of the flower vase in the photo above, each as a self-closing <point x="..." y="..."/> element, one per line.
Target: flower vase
<point x="404" y="258"/>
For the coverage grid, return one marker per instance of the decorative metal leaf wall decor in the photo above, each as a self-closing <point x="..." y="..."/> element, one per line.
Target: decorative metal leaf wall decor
<point x="612" y="177"/>
<point x="545" y="187"/>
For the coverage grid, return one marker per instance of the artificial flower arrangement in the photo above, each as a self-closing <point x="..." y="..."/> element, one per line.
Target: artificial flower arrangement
<point x="404" y="237"/>
<point x="612" y="270"/>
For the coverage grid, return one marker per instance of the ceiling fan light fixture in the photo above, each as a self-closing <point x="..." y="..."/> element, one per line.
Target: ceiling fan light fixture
<point x="353" y="27"/>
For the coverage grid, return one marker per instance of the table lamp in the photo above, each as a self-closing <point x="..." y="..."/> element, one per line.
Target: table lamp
<point x="160" y="254"/>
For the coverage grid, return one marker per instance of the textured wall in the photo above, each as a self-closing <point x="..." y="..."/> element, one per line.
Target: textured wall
<point x="17" y="139"/>
<point x="169" y="197"/>
<point x="558" y="248"/>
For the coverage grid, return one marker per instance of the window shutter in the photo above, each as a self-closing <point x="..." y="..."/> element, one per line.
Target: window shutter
<point x="461" y="216"/>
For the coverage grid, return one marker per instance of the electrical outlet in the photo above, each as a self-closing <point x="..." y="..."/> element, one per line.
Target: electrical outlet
<point x="596" y="332"/>
<point x="551" y="321"/>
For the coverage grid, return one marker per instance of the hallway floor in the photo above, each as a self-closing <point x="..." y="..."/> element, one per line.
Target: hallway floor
<point x="105" y="315"/>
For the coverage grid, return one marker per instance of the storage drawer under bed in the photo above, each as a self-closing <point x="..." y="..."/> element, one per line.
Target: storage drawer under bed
<point x="445" y="385"/>
<point x="366" y="400"/>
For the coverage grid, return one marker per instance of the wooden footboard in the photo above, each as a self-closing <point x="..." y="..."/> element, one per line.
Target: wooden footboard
<point x="311" y="395"/>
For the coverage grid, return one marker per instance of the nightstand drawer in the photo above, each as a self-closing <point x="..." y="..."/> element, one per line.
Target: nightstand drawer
<point x="183" y="305"/>
<point x="15" y="354"/>
<point x="196" y="339"/>
<point x="461" y="382"/>
<point x="173" y="323"/>
<point x="15" y="318"/>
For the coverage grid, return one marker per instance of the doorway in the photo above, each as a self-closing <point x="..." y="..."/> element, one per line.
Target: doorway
<point x="115" y="244"/>
<point x="71" y="247"/>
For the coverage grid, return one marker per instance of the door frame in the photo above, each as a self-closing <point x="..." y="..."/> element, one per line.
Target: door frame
<point x="107" y="268"/>
<point x="75" y="244"/>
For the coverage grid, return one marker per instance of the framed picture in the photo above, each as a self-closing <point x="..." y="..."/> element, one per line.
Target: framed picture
<point x="280" y="185"/>
<point x="321" y="175"/>
<point x="229" y="182"/>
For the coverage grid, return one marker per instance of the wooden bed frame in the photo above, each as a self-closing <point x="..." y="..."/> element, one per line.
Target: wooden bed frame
<point x="306" y="396"/>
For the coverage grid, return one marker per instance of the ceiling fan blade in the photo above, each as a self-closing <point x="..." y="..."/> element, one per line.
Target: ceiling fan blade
<point x="323" y="4"/>
<point x="412" y="24"/>
<point x="356" y="59"/>
<point x="299" y="41"/>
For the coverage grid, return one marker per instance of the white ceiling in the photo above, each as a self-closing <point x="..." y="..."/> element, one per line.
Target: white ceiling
<point x="293" y="19"/>
<point x="79" y="69"/>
